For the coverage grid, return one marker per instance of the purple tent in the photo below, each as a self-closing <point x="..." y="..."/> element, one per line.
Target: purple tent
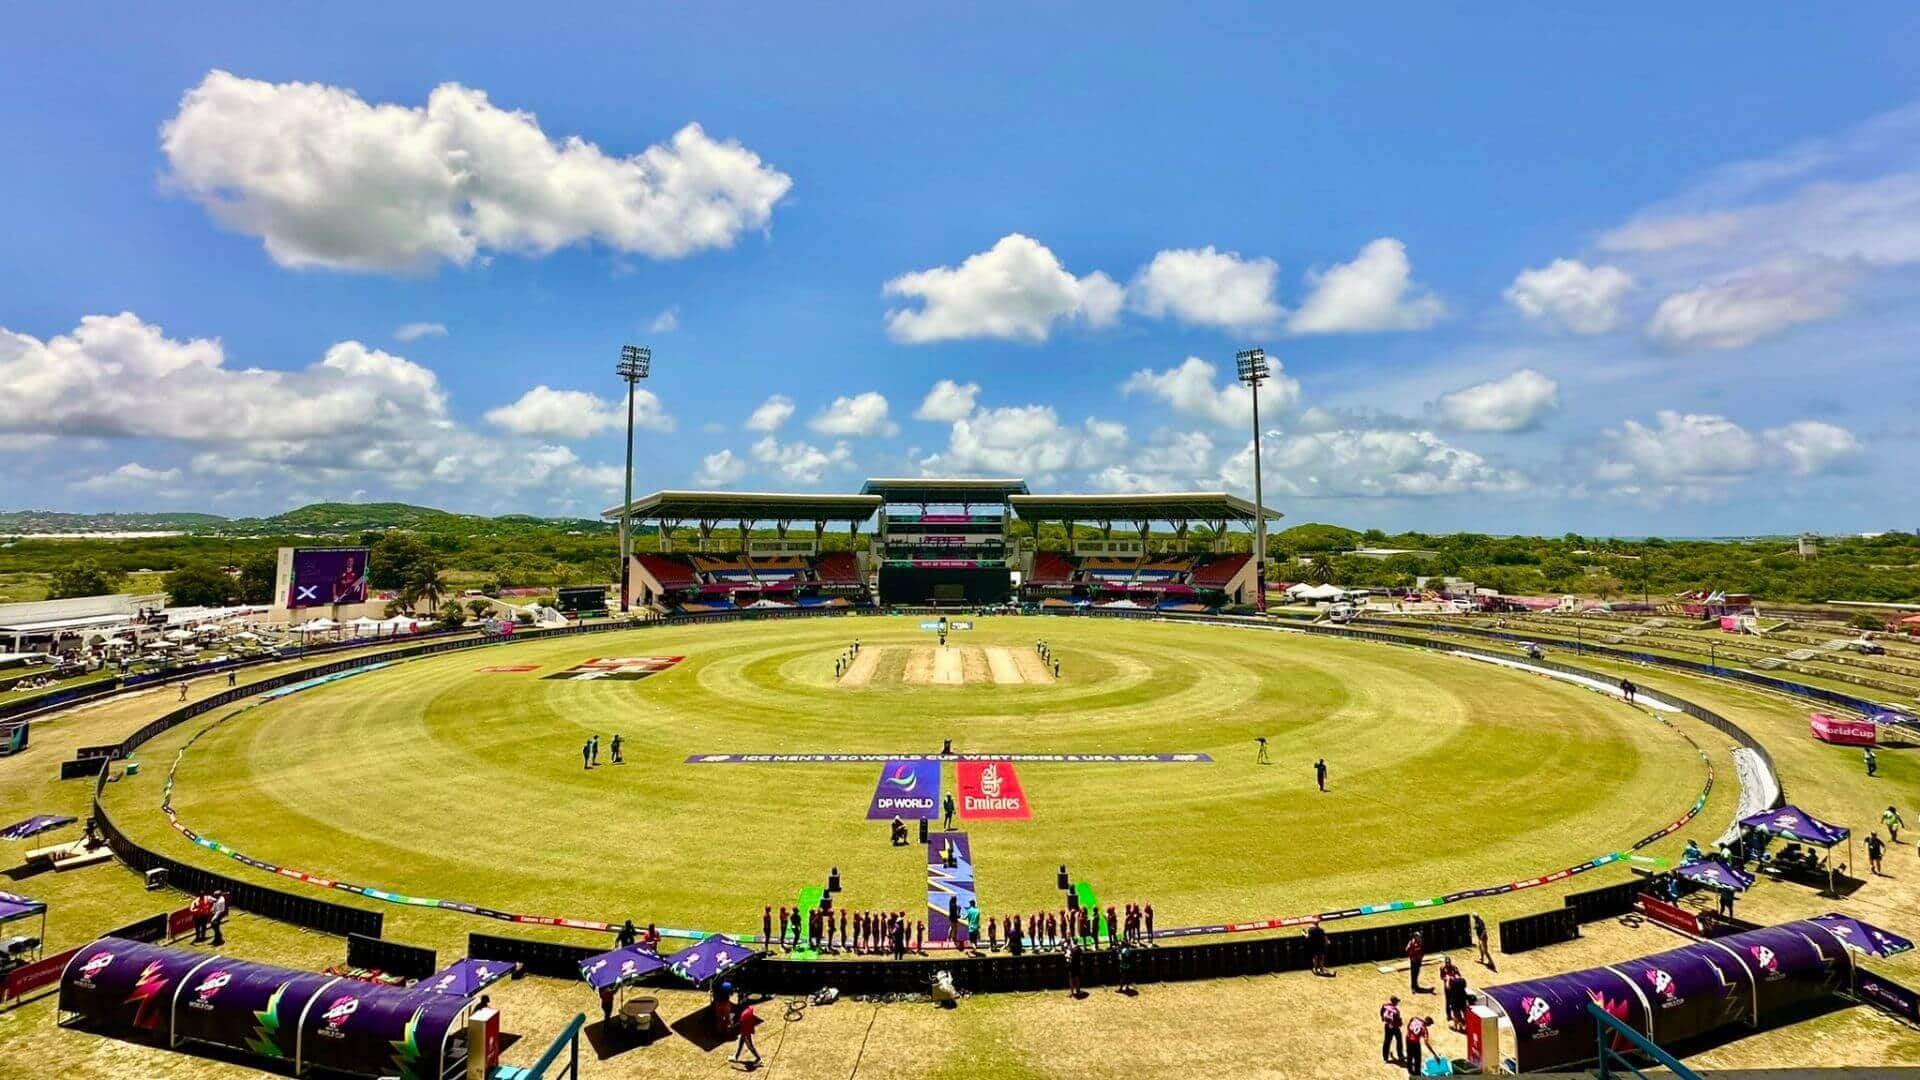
<point x="710" y="958"/>
<point x="467" y="977"/>
<point x="34" y="826"/>
<point x="1747" y="978"/>
<point x="1861" y="936"/>
<point x="1794" y="823"/>
<point x="245" y="1006"/>
<point x="1716" y="875"/>
<point x="629" y="963"/>
<point x="374" y="1030"/>
<point x="19" y="907"/>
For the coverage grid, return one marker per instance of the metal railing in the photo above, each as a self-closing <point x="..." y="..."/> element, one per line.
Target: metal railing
<point x="1612" y="1062"/>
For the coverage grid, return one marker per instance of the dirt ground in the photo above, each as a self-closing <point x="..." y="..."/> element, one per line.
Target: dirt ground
<point x="860" y="672"/>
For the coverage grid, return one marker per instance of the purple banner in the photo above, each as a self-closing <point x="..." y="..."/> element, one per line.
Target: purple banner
<point x="327" y="576"/>
<point x="251" y="1007"/>
<point x="1883" y="993"/>
<point x="1692" y="991"/>
<point x="124" y="985"/>
<point x="468" y="977"/>
<point x="890" y="759"/>
<point x="947" y="886"/>
<point x="1792" y="963"/>
<point x="1551" y="1025"/>
<point x="373" y="1030"/>
<point x="34" y="826"/>
<point x="906" y="789"/>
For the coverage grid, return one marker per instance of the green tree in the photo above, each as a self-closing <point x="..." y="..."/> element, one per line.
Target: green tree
<point x="257" y="575"/>
<point x="479" y="607"/>
<point x="200" y="584"/>
<point x="398" y="559"/>
<point x="1320" y="570"/>
<point x="451" y="617"/>
<point x="83" y="577"/>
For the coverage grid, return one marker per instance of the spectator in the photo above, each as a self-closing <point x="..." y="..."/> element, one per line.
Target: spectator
<point x="1392" y="1049"/>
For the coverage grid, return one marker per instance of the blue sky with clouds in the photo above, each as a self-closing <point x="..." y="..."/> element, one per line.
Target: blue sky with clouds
<point x="1522" y="271"/>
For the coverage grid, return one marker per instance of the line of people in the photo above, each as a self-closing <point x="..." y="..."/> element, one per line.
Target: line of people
<point x="590" y="751"/>
<point x="821" y="929"/>
<point x="845" y="660"/>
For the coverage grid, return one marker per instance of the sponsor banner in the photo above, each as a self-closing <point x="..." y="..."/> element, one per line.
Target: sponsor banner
<point x="1883" y="993"/>
<point x="906" y="789"/>
<point x="948" y="888"/>
<point x="1672" y="916"/>
<point x="372" y="1030"/>
<point x="617" y="668"/>
<point x="1022" y="759"/>
<point x="990" y="789"/>
<point x="947" y="624"/>
<point x="323" y="577"/>
<point x="27" y="978"/>
<point x="511" y="669"/>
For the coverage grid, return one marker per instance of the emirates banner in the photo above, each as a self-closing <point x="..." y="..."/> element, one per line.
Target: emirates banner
<point x="990" y="789"/>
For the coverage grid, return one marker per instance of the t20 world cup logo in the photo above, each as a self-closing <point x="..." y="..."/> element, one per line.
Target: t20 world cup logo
<point x="211" y="985"/>
<point x="337" y="1014"/>
<point x="95" y="966"/>
<point x="1662" y="985"/>
<point x="1765" y="957"/>
<point x="1539" y="1012"/>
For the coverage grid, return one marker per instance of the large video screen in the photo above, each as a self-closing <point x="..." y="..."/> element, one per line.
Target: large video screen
<point x="326" y="576"/>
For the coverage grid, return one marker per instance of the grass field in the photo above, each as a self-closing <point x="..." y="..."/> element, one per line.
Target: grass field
<point x="441" y="779"/>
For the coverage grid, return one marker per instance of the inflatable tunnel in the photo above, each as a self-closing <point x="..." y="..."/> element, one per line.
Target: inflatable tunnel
<point x="1746" y="979"/>
<point x="122" y="987"/>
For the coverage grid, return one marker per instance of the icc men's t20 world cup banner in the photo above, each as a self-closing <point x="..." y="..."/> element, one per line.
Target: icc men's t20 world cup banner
<point x="990" y="789"/>
<point x="907" y="789"/>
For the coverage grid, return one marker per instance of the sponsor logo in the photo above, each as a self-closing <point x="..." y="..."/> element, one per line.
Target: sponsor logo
<point x="903" y="777"/>
<point x="208" y="987"/>
<point x="617" y="668"/>
<point x="1663" y="985"/>
<point x="1768" y="961"/>
<point x="1539" y="1015"/>
<point x="991" y="789"/>
<point x="93" y="967"/>
<point x="338" y="1013"/>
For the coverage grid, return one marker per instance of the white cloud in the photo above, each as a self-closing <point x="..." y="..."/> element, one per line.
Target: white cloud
<point x="1205" y="287"/>
<point x="1811" y="446"/>
<point x="1189" y="389"/>
<point x="800" y="462"/>
<point x="1581" y="298"/>
<point x="666" y="322"/>
<point x="720" y="469"/>
<point x="1368" y="464"/>
<point x="1738" y="311"/>
<point x="414" y="331"/>
<point x="1373" y="292"/>
<point x="326" y="179"/>
<point x="356" y="418"/>
<point x="771" y="413"/>
<point x="1515" y="403"/>
<point x="549" y="412"/>
<point x="1171" y="461"/>
<point x="1025" y="440"/>
<point x="862" y="414"/>
<point x="1016" y="290"/>
<point x="947" y="401"/>
<point x="132" y="478"/>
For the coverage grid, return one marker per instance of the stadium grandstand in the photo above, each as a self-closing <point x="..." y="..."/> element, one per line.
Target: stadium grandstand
<point x="941" y="541"/>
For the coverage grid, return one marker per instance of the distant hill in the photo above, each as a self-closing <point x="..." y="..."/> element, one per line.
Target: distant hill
<point x="49" y="521"/>
<point x="314" y="519"/>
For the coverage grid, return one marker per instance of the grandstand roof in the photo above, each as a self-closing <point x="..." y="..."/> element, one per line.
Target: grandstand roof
<point x="943" y="489"/>
<point x="749" y="506"/>
<point x="1165" y="506"/>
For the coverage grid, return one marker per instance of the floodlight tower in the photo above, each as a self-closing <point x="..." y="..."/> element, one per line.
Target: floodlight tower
<point x="1252" y="365"/>
<point x="636" y="362"/>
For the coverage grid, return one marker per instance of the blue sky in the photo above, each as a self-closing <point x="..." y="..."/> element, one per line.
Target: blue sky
<point x="1637" y="271"/>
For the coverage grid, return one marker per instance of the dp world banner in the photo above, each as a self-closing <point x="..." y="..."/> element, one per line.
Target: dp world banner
<point x="906" y="789"/>
<point x="990" y="789"/>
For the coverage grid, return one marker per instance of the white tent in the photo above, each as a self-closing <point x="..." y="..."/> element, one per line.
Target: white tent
<point x="317" y="626"/>
<point x="1303" y="591"/>
<point x="179" y="635"/>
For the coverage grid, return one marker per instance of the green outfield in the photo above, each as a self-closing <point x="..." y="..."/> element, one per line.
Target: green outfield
<point x="440" y="778"/>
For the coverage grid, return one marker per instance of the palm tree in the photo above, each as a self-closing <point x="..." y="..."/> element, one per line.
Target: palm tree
<point x="1320" y="570"/>
<point x="424" y="584"/>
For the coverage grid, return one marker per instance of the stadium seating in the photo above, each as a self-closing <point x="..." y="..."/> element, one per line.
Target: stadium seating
<point x="1164" y="570"/>
<point x="670" y="571"/>
<point x="1218" y="571"/>
<point x="838" y="568"/>
<point x="1051" y="568"/>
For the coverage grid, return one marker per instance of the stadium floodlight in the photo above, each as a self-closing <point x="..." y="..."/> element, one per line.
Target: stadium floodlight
<point x="1252" y="365"/>
<point x="636" y="363"/>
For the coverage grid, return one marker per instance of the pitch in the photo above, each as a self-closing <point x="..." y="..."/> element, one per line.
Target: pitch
<point x="460" y="777"/>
